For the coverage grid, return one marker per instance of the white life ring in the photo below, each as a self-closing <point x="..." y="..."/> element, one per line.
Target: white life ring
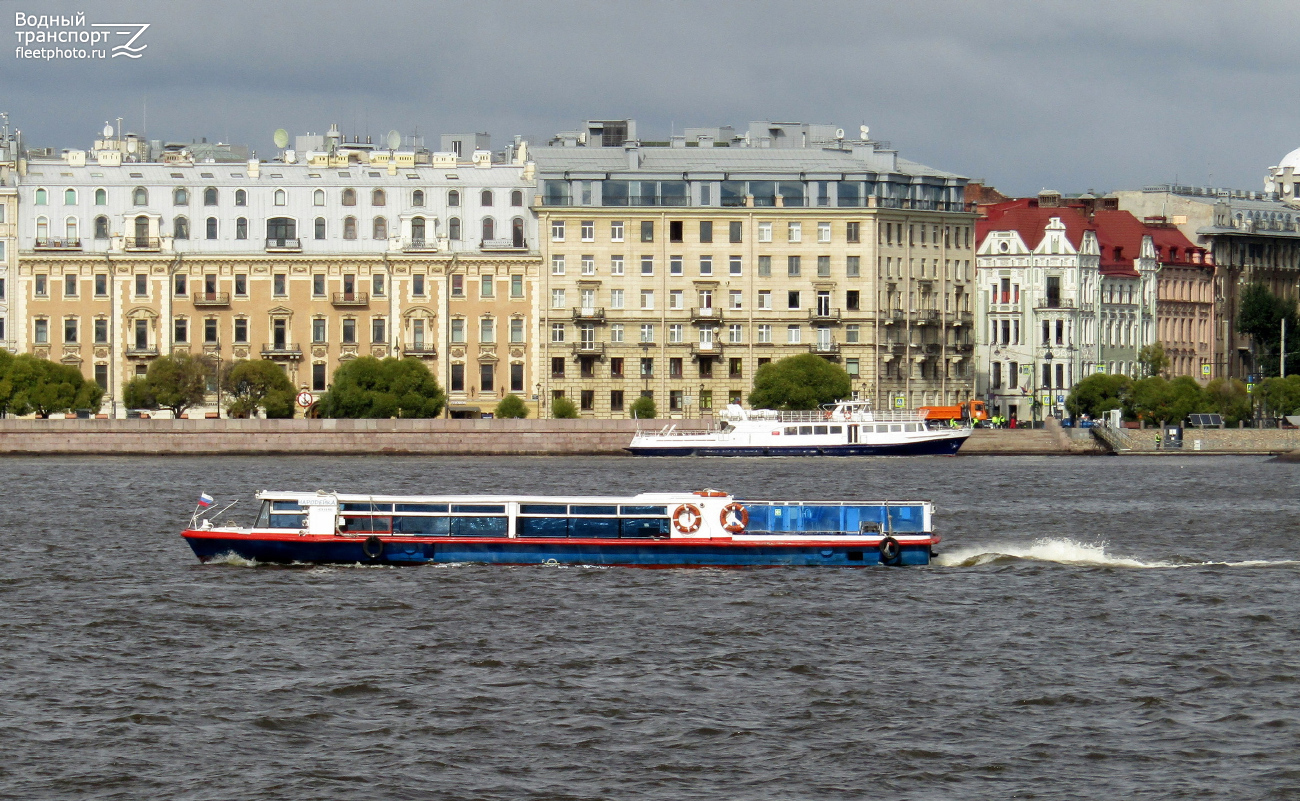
<point x="687" y="518"/>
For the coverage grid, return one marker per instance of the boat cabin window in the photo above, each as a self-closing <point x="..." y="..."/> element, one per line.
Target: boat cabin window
<point x="910" y="427"/>
<point x="499" y="509"/>
<point x="357" y="524"/>
<point x="592" y="521"/>
<point x="422" y="507"/>
<point x="281" y="514"/>
<point x="820" y="429"/>
<point x="790" y="431"/>
<point x="834" y="519"/>
<point x="805" y="431"/>
<point x="837" y="429"/>
<point x="543" y="509"/>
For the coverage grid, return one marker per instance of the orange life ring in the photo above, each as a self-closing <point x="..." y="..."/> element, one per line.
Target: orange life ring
<point x="687" y="518"/>
<point x="736" y="524"/>
<point x="710" y="493"/>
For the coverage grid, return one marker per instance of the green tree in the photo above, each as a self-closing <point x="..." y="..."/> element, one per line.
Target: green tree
<point x="512" y="407"/>
<point x="1228" y="397"/>
<point x="799" y="382"/>
<point x="253" y="384"/>
<point x="1162" y="401"/>
<point x="1097" y="394"/>
<point x="1280" y="396"/>
<point x="1153" y="360"/>
<point x="174" y="382"/>
<point x="563" y="409"/>
<point x="39" y="386"/>
<point x="1260" y="317"/>
<point x="378" y="388"/>
<point x="643" y="408"/>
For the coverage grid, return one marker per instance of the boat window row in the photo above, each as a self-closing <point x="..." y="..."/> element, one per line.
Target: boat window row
<point x="795" y="431"/>
<point x="881" y="428"/>
<point x="829" y="519"/>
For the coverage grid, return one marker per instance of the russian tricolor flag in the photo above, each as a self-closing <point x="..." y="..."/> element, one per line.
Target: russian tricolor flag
<point x="205" y="500"/>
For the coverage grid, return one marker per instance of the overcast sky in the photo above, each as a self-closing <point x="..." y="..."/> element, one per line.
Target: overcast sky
<point x="1070" y="95"/>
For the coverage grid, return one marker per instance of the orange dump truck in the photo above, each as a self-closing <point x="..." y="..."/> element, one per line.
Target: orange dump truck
<point x="972" y="410"/>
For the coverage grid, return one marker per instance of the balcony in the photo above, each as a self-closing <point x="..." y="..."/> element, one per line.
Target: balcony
<point x="423" y="350"/>
<point x="140" y="351"/>
<point x="960" y="317"/>
<point x="824" y="315"/>
<point x="350" y="299"/>
<point x="589" y="314"/>
<point x="211" y="298"/>
<point x="418" y="244"/>
<point x="1054" y="303"/>
<point x="500" y="245"/>
<point x="282" y="350"/>
<point x="706" y="350"/>
<point x="141" y="244"/>
<point x="57" y="244"/>
<point x="706" y="314"/>
<point x="925" y="316"/>
<point x="588" y="348"/>
<point x="830" y="350"/>
<point x="283" y="245"/>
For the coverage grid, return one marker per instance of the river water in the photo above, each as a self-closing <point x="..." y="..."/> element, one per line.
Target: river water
<point x="1095" y="628"/>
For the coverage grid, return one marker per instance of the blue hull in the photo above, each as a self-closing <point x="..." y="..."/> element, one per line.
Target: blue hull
<point x="658" y="553"/>
<point x="935" y="447"/>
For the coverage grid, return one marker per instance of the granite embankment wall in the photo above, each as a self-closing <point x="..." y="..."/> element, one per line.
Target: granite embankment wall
<point x="488" y="437"/>
<point x="1215" y="440"/>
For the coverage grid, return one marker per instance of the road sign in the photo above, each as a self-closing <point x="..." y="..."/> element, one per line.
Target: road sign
<point x="899" y="402"/>
<point x="305" y="399"/>
<point x="1060" y="399"/>
<point x="1205" y="370"/>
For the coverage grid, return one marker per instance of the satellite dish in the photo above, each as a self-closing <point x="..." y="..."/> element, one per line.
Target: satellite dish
<point x="108" y="131"/>
<point x="281" y="138"/>
<point x="864" y="130"/>
<point x="130" y="145"/>
<point x="394" y="140"/>
<point x="839" y="133"/>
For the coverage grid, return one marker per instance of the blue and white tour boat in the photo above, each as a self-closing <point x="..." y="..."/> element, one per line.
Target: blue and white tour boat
<point x="706" y="528"/>
<point x="846" y="428"/>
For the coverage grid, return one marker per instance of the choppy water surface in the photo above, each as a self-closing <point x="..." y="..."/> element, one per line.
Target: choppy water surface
<point x="1096" y="628"/>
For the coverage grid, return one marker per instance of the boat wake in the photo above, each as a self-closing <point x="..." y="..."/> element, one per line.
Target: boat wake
<point x="232" y="559"/>
<point x="1066" y="551"/>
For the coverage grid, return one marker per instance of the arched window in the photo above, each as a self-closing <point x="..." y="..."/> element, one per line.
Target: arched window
<point x="417" y="197"/>
<point x="486" y="198"/>
<point x="70" y="231"/>
<point x="241" y="227"/>
<point x="69" y="197"/>
<point x="210" y="196"/>
<point x="181" y="228"/>
<point x="380" y="228"/>
<point x="489" y="228"/>
<point x="101" y="227"/>
<point x="453" y="197"/>
<point x="318" y="197"/>
<point x="320" y="228"/>
<point x="349" y="227"/>
<point x="241" y="197"/>
<point x="349" y="197"/>
<point x="417" y="231"/>
<point x="42" y="229"/>
<point x="517" y="232"/>
<point x="42" y="197"/>
<point x="140" y="196"/>
<point x="211" y="226"/>
<point x="141" y="231"/>
<point x="101" y="197"/>
<point x="279" y="197"/>
<point x="378" y="198"/>
<point x="453" y="228"/>
<point x="517" y="198"/>
<point x="180" y="196"/>
<point x="279" y="230"/>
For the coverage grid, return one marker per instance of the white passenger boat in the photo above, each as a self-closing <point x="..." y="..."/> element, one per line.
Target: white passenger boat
<point x="846" y="428"/>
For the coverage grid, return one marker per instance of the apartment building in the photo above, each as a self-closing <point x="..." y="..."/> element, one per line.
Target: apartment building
<point x="308" y="261"/>
<point x="675" y="270"/>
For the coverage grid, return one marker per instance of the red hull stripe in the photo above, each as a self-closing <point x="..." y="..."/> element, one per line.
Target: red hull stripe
<point x="264" y="537"/>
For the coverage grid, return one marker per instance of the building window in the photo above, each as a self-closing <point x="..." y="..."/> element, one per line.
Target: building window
<point x="557" y="230"/>
<point x="241" y="330"/>
<point x="647" y="230"/>
<point x="706" y="231"/>
<point x="41" y="331"/>
<point x="588" y="230"/>
<point x="616" y="298"/>
<point x="210" y="331"/>
<point x="486" y="377"/>
<point x="486" y="286"/>
<point x="793" y="334"/>
<point x="181" y="228"/>
<point x="793" y="266"/>
<point x="453" y="198"/>
<point x="615" y="265"/>
<point x="101" y="197"/>
<point x="139" y="197"/>
<point x="516" y="286"/>
<point x="180" y="197"/>
<point x="318" y="197"/>
<point x="318" y="330"/>
<point x="823" y="266"/>
<point x="853" y="266"/>
<point x="557" y="265"/>
<point x="557" y="367"/>
<point x="674" y="265"/>
<point x="485" y="198"/>
<point x="616" y="231"/>
<point x="70" y="329"/>
<point x="318" y="377"/>
<point x="349" y="197"/>
<point x="648" y="299"/>
<point x="557" y="332"/>
<point x="487" y="331"/>
<point x="349" y="227"/>
<point x="241" y="197"/>
<point x="489" y="229"/>
<point x="70" y="286"/>
<point x="377" y="284"/>
<point x="141" y="285"/>
<point x="675" y="335"/>
<point x="458" y="285"/>
<point x="210" y="196"/>
<point x="458" y="378"/>
<point x="180" y="285"/>
<point x="417" y="197"/>
<point x="241" y="228"/>
<point x="647" y="265"/>
<point x="557" y="299"/>
<point x="378" y="197"/>
<point x="852" y="300"/>
<point x="101" y="331"/>
<point x="380" y="228"/>
<point x="377" y="330"/>
<point x="616" y="333"/>
<point x="211" y="228"/>
<point x="279" y="285"/>
<point x="516" y="330"/>
<point x="453" y="229"/>
<point x="101" y="227"/>
<point x="765" y="334"/>
<point x="516" y="377"/>
<point x="735" y="231"/>
<point x="852" y="233"/>
<point x="765" y="232"/>
<point x="279" y="197"/>
<point x="647" y="367"/>
<point x="241" y="285"/>
<point x="647" y="333"/>
<point x="852" y="333"/>
<point x="517" y="199"/>
<point x="765" y="299"/>
<point x="417" y="285"/>
<point x="823" y="233"/>
<point x="101" y="285"/>
<point x="350" y="331"/>
<point x="735" y="334"/>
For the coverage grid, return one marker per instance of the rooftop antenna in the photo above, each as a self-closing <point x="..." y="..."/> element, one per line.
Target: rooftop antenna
<point x="394" y="140"/>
